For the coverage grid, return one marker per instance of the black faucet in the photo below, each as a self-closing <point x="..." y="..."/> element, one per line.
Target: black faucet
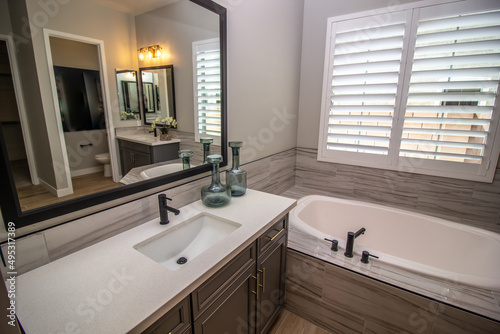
<point x="164" y="209"/>
<point x="350" y="241"/>
<point x="153" y="131"/>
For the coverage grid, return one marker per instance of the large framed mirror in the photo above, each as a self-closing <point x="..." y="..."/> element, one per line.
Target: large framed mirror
<point x="146" y="18"/>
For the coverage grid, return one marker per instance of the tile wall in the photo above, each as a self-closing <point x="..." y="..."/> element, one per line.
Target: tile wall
<point x="467" y="202"/>
<point x="274" y="174"/>
<point x="342" y="301"/>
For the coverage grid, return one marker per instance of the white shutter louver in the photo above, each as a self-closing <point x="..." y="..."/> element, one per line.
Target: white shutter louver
<point x="453" y="88"/>
<point x="364" y="78"/>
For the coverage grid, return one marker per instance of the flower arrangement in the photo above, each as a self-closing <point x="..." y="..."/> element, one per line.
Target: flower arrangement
<point x="168" y="122"/>
<point x="164" y="125"/>
<point x="128" y="115"/>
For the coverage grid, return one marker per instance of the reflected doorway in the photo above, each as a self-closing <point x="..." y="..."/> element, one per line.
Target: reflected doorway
<point x="12" y="126"/>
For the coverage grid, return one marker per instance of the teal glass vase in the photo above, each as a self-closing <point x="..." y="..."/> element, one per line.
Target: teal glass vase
<point x="236" y="178"/>
<point x="185" y="156"/>
<point x="215" y="194"/>
<point x="206" y="141"/>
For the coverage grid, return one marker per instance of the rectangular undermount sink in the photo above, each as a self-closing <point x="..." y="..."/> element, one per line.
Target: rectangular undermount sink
<point x="182" y="243"/>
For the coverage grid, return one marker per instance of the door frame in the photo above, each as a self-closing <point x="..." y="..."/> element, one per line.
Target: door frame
<point x="47" y="33"/>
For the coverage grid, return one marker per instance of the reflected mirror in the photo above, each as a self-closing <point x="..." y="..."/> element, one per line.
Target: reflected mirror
<point x="158" y="92"/>
<point x="65" y="172"/>
<point x="128" y="94"/>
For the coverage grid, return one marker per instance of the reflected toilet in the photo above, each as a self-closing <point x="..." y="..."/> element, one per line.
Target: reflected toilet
<point x="105" y="159"/>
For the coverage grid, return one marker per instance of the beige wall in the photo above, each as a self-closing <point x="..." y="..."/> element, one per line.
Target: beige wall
<point x="174" y="28"/>
<point x="264" y="43"/>
<point x="74" y="54"/>
<point x="87" y="19"/>
<point x="82" y="18"/>
<point x="5" y="26"/>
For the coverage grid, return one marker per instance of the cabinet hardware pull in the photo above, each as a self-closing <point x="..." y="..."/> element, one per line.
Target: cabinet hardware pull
<point x="258" y="285"/>
<point x="272" y="238"/>
<point x="263" y="271"/>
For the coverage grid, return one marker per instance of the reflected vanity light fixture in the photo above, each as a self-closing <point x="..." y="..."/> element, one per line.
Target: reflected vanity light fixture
<point x="150" y="52"/>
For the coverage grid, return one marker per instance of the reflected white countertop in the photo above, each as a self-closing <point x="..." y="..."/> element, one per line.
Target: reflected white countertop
<point x="110" y="287"/>
<point x="146" y="139"/>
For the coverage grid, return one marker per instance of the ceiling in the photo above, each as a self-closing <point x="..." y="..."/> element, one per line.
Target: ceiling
<point x="133" y="7"/>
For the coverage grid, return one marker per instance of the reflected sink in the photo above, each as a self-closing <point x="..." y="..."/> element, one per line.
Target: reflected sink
<point x="187" y="240"/>
<point x="160" y="170"/>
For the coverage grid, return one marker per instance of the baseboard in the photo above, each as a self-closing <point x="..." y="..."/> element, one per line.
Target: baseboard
<point x="85" y="171"/>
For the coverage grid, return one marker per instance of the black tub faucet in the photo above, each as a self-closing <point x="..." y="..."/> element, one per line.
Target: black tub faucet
<point x="164" y="209"/>
<point x="350" y="241"/>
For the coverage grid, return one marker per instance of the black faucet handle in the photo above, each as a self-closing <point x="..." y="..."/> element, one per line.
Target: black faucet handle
<point x="335" y="244"/>
<point x="366" y="255"/>
<point x="163" y="198"/>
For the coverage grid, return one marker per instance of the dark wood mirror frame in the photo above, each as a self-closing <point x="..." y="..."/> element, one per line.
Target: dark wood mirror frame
<point x="9" y="202"/>
<point x="140" y="83"/>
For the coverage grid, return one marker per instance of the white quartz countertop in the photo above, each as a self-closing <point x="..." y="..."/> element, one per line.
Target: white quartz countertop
<point x="111" y="288"/>
<point x="146" y="139"/>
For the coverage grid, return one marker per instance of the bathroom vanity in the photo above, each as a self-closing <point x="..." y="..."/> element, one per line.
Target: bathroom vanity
<point x="244" y="296"/>
<point x="125" y="285"/>
<point x="144" y="149"/>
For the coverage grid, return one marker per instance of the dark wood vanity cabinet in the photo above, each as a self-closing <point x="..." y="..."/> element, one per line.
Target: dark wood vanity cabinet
<point x="136" y="155"/>
<point x="245" y="296"/>
<point x="175" y="321"/>
<point x="271" y="261"/>
<point x="234" y="310"/>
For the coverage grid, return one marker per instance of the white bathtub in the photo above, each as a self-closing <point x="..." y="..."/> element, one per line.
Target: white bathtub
<point x="416" y="242"/>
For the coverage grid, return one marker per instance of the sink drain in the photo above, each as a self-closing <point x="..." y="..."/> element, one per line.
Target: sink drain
<point x="182" y="260"/>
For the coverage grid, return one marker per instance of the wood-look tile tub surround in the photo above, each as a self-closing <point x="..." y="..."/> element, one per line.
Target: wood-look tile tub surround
<point x="342" y="301"/>
<point x="467" y="202"/>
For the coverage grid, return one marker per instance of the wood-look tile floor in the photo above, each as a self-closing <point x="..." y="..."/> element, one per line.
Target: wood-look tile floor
<point x="32" y="196"/>
<point x="290" y="323"/>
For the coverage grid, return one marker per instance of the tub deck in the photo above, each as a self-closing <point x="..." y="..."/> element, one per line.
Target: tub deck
<point x="480" y="301"/>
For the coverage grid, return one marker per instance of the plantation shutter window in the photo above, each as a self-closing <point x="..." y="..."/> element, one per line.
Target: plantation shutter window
<point x="364" y="84"/>
<point x="207" y="88"/>
<point x="453" y="88"/>
<point x="414" y="91"/>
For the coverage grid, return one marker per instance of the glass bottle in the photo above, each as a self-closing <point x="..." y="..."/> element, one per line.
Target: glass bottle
<point x="236" y="178"/>
<point x="206" y="141"/>
<point x="185" y="156"/>
<point x="216" y="194"/>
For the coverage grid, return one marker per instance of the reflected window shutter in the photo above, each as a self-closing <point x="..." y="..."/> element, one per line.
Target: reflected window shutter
<point x="207" y="88"/>
<point x="453" y="88"/>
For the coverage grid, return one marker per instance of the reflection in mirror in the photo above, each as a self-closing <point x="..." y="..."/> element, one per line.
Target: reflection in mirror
<point x="51" y="153"/>
<point x="147" y="96"/>
<point x="158" y="92"/>
<point x="128" y="94"/>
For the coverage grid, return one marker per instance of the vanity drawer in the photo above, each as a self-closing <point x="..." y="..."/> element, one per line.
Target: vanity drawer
<point x="175" y="321"/>
<point x="215" y="286"/>
<point x="272" y="235"/>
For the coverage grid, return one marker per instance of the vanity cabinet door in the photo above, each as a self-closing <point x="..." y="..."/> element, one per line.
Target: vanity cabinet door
<point x="271" y="266"/>
<point x="162" y="153"/>
<point x="175" y="321"/>
<point x="211" y="290"/>
<point x="234" y="311"/>
<point x="131" y="159"/>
